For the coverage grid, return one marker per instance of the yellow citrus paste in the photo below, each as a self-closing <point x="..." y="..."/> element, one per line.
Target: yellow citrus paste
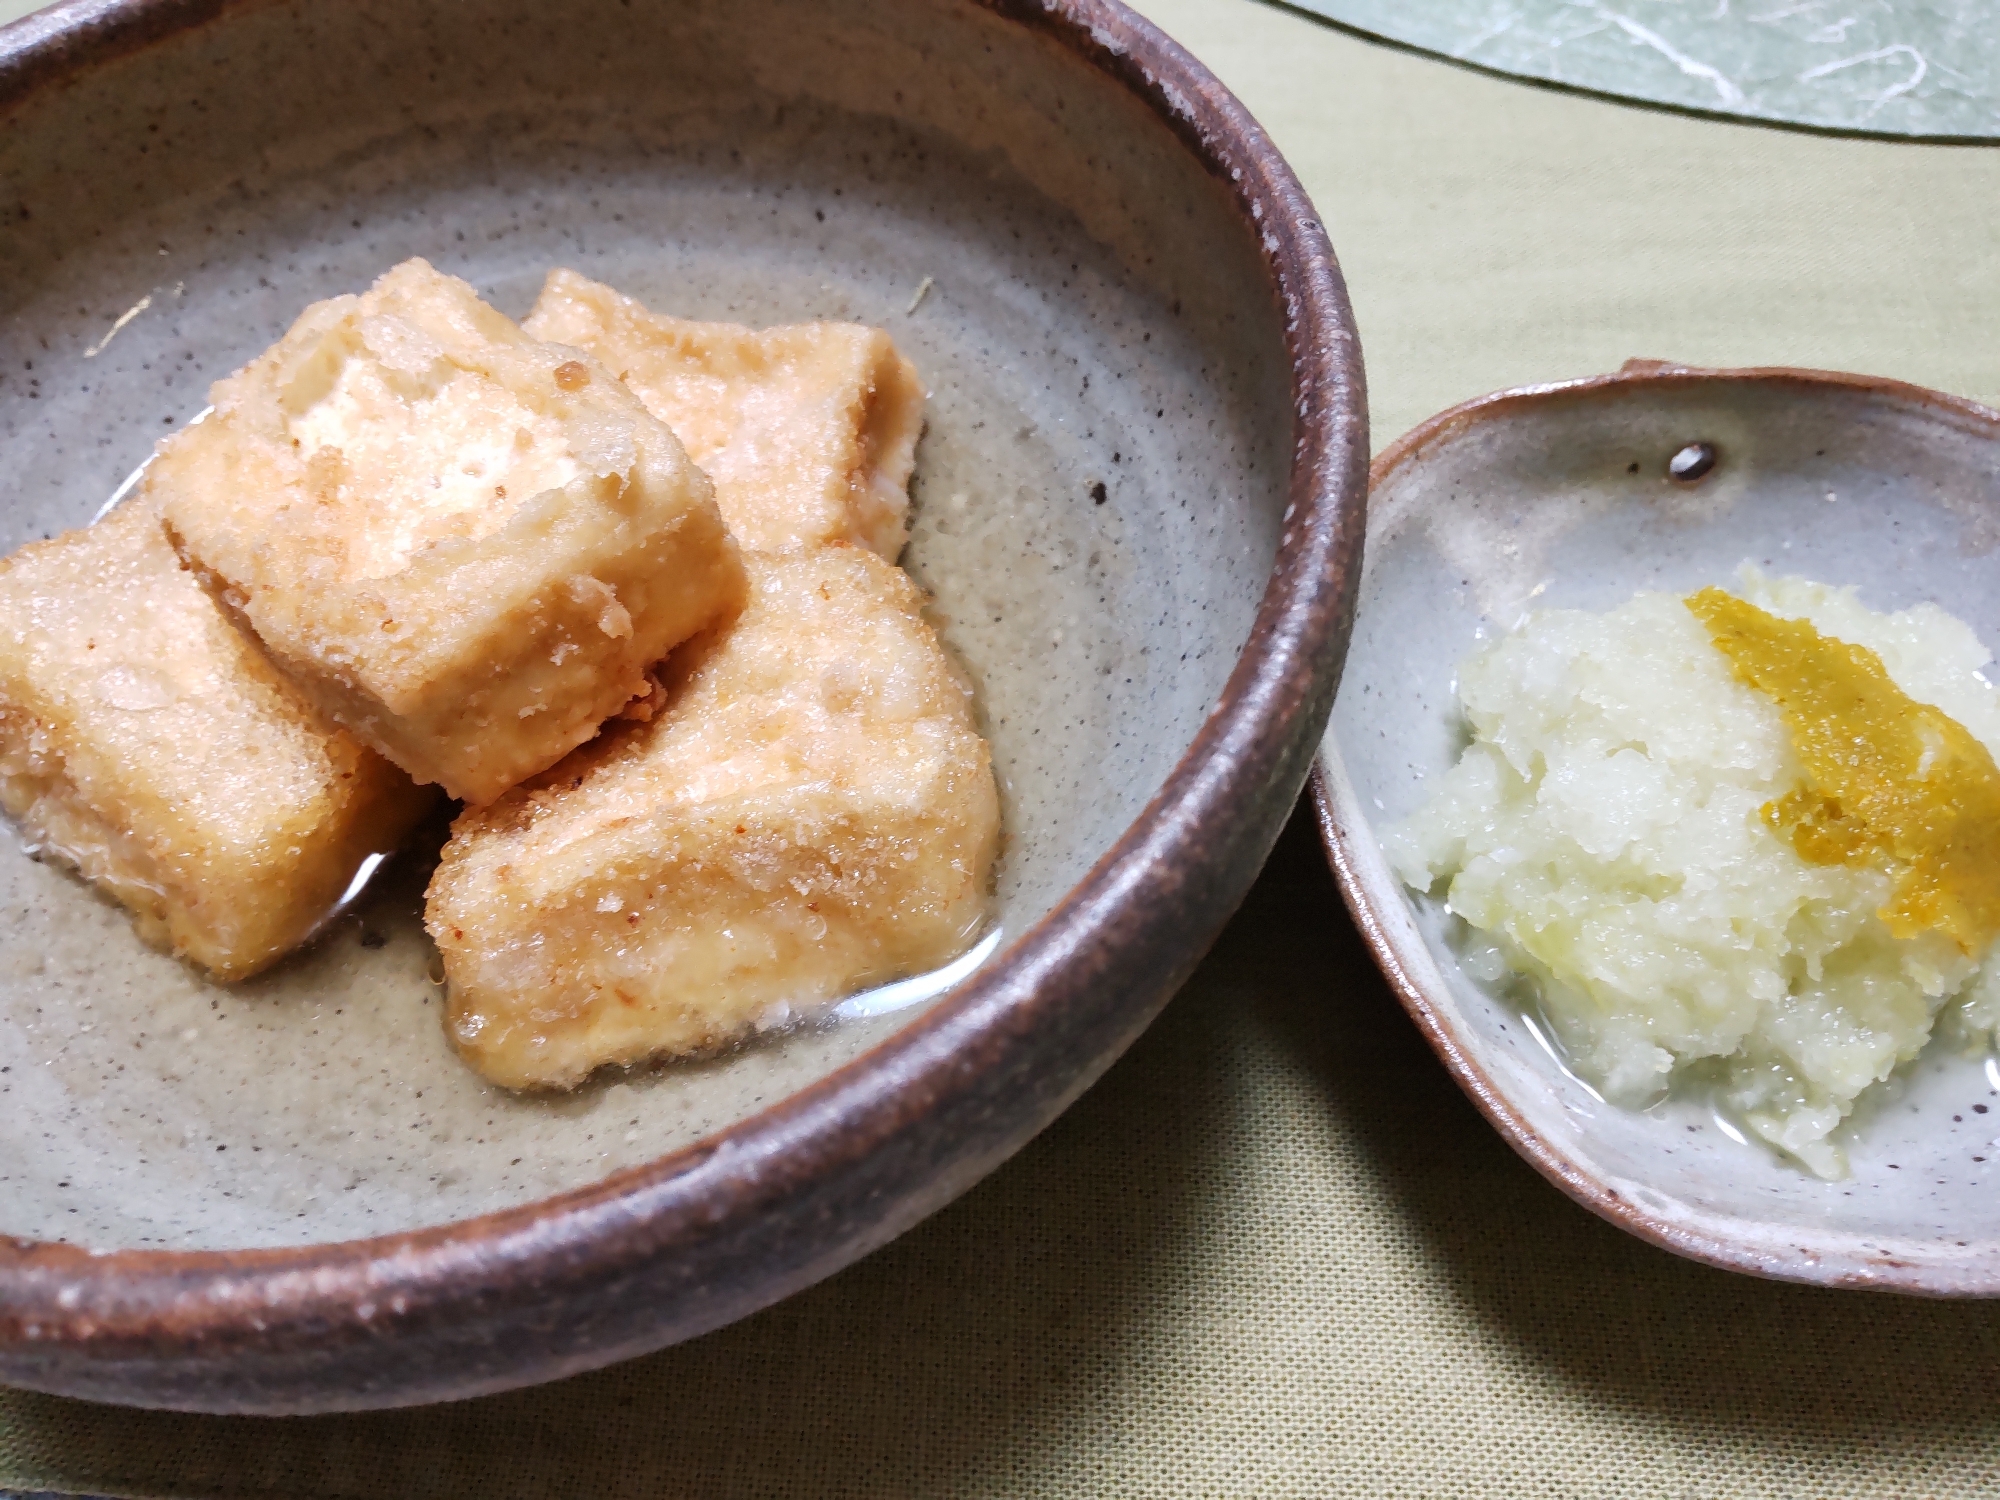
<point x="1890" y="782"/>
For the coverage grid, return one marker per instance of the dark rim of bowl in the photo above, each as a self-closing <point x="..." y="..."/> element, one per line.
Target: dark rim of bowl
<point x="1889" y="1273"/>
<point x="1129" y="909"/>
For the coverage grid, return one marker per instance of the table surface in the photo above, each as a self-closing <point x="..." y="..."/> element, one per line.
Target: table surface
<point x="1275" y="1251"/>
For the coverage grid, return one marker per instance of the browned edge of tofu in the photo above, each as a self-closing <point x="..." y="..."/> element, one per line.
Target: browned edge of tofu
<point x="482" y="658"/>
<point x="772" y="836"/>
<point x="840" y="410"/>
<point x="92" y="774"/>
<point x="453" y="732"/>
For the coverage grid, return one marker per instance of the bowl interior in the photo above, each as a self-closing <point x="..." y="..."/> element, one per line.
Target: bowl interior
<point x="1560" y="499"/>
<point x="1097" y="497"/>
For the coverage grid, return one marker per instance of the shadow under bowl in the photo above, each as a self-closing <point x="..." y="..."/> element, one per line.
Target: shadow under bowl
<point x="1567" y="496"/>
<point x="1138" y="505"/>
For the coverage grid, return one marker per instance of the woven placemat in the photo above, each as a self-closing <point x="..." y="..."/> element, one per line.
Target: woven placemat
<point x="1275" y="1252"/>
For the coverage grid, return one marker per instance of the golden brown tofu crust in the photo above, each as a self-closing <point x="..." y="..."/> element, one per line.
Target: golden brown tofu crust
<point x="348" y="501"/>
<point x="809" y="431"/>
<point x="144" y="740"/>
<point x="810" y="811"/>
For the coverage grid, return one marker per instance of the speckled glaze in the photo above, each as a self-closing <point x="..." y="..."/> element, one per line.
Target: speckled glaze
<point x="1138" y="503"/>
<point x="1561" y="495"/>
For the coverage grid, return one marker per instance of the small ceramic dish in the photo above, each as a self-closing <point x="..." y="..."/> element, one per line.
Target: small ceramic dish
<point x="1138" y="504"/>
<point x="1562" y="495"/>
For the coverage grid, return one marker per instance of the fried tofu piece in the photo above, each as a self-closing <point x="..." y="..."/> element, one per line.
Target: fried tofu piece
<point x="811" y="812"/>
<point x="144" y="740"/>
<point x="465" y="545"/>
<point x="809" y="432"/>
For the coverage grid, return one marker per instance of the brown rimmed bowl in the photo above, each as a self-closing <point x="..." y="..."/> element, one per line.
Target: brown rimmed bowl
<point x="1139" y="506"/>
<point x="1563" y="496"/>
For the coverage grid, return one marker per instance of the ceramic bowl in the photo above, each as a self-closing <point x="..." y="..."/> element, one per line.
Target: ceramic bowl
<point x="1561" y="495"/>
<point x="1138" y="504"/>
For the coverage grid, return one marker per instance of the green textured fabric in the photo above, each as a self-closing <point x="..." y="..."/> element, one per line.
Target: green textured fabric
<point x="1887" y="67"/>
<point x="1275" y="1252"/>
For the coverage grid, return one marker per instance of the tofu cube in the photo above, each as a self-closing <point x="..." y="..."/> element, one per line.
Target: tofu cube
<point x="811" y="812"/>
<point x="809" y="432"/>
<point x="146" y="741"/>
<point x="465" y="545"/>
